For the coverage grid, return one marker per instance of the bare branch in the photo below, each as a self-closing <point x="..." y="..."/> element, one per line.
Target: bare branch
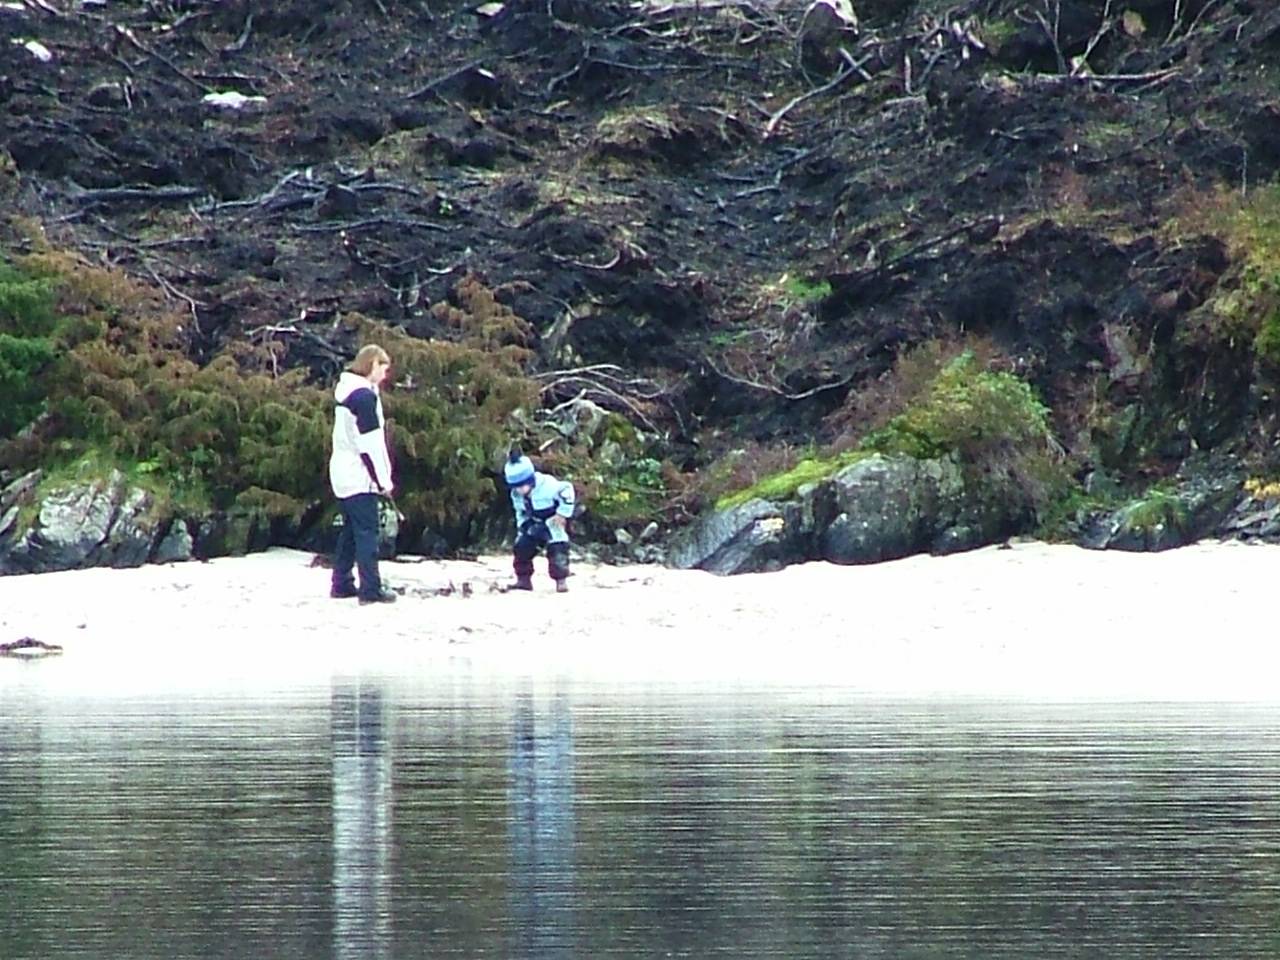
<point x="1082" y="64"/>
<point x="133" y="41"/>
<point x="441" y="80"/>
<point x="776" y="390"/>
<point x="122" y="194"/>
<point x="840" y="78"/>
<point x="332" y="226"/>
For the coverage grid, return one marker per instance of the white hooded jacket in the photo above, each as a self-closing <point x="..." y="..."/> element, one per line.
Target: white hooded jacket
<point x="359" y="462"/>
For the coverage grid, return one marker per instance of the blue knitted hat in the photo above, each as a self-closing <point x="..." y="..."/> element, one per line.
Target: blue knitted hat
<point x="518" y="470"/>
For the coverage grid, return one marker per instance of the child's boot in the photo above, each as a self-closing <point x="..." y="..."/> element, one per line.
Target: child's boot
<point x="562" y="586"/>
<point x="523" y="582"/>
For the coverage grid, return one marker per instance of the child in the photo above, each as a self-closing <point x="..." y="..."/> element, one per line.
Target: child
<point x="543" y="506"/>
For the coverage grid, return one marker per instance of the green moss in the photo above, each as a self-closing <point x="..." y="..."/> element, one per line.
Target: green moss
<point x="803" y="290"/>
<point x="783" y="486"/>
<point x="998" y="32"/>
<point x="1158" y="508"/>
<point x="1267" y="343"/>
<point x="1063" y="517"/>
<point x="620" y="430"/>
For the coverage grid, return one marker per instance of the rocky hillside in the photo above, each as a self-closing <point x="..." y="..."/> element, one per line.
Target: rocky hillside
<point x="711" y="243"/>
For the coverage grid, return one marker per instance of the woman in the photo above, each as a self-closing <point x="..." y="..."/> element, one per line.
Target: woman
<point x="360" y="473"/>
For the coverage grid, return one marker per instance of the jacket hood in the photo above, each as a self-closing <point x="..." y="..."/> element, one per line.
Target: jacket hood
<point x="348" y="384"/>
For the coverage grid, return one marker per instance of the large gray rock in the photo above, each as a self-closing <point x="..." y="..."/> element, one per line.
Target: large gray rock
<point x="757" y="535"/>
<point x="890" y="507"/>
<point x="176" y="545"/>
<point x="72" y="524"/>
<point x="879" y="508"/>
<point x="19" y="490"/>
<point x="13" y="498"/>
<point x="8" y="520"/>
<point x="232" y="533"/>
<point x="133" y="533"/>
<point x="1250" y="520"/>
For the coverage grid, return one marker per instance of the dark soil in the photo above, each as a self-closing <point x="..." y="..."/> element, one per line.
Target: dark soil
<point x="628" y="181"/>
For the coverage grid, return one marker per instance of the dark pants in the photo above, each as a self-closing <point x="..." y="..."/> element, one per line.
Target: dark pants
<point x="358" y="545"/>
<point x="530" y="540"/>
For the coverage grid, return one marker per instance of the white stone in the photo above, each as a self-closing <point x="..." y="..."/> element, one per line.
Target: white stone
<point x="37" y="50"/>
<point x="231" y="100"/>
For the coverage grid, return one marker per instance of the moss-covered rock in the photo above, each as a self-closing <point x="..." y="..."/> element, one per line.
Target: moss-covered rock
<point x="876" y="508"/>
<point x="1167" y="516"/>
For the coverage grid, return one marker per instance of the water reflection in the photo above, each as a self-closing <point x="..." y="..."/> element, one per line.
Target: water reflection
<point x="458" y="816"/>
<point x="541" y="828"/>
<point x="362" y="795"/>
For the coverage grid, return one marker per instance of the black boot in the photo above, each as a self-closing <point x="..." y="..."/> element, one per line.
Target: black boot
<point x="523" y="583"/>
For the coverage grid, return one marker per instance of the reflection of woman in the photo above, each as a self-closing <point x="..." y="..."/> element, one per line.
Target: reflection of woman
<point x="361" y="824"/>
<point x="541" y="824"/>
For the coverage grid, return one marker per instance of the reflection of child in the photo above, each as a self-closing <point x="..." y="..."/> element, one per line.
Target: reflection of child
<point x="543" y="506"/>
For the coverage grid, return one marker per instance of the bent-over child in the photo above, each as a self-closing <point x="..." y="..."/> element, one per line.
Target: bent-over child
<point x="543" y="506"/>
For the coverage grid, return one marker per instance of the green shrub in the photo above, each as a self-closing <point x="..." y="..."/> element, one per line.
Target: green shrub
<point x="1245" y="306"/>
<point x="637" y="493"/>
<point x="28" y="347"/>
<point x="991" y="423"/>
<point x="974" y="414"/>
<point x="450" y="429"/>
<point x="123" y="393"/>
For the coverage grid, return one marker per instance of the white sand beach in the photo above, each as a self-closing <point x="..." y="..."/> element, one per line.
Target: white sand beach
<point x="1035" y="621"/>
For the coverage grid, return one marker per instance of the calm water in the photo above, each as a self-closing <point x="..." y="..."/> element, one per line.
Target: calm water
<point x="489" y="817"/>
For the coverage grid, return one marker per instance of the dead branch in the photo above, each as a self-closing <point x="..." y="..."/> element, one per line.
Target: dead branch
<point x="333" y="226"/>
<point x="1191" y="28"/>
<point x="262" y="198"/>
<point x="844" y="75"/>
<point x="583" y="265"/>
<point x="124" y="194"/>
<point x="1057" y="80"/>
<point x="912" y="253"/>
<point x="602" y="393"/>
<point x="1052" y="31"/>
<point x="292" y="330"/>
<point x="438" y="81"/>
<point x="243" y="39"/>
<point x="133" y="41"/>
<point x="176" y="294"/>
<point x="187" y="17"/>
<point x="776" y="390"/>
<point x="640" y="387"/>
<point x="1082" y="63"/>
<point x="141" y="244"/>
<point x="44" y="7"/>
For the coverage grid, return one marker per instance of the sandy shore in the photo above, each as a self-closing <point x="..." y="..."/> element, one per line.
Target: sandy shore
<point x="1034" y="621"/>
